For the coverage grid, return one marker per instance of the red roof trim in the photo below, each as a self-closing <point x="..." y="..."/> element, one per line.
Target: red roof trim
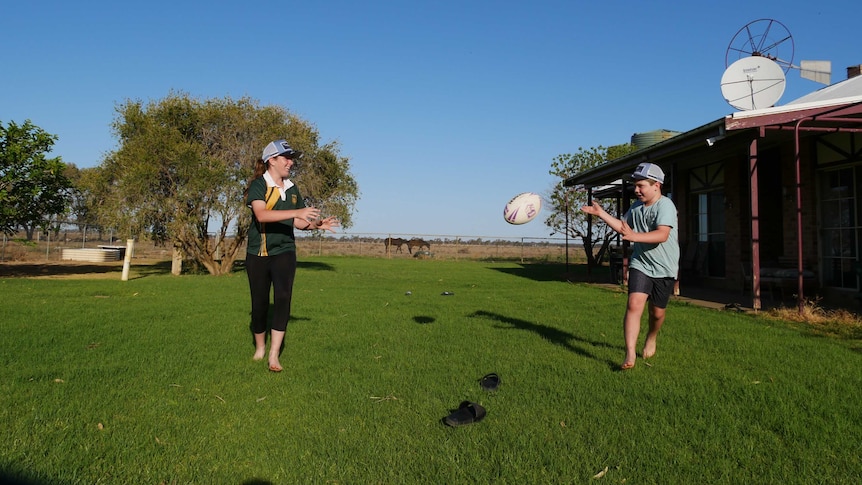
<point x="823" y="113"/>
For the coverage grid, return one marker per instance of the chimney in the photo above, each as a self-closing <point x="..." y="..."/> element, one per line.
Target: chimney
<point x="854" y="71"/>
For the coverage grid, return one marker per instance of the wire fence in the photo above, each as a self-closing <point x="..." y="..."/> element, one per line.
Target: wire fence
<point x="426" y="246"/>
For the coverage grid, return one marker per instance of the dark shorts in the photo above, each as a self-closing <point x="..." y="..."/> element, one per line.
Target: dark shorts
<point x="658" y="289"/>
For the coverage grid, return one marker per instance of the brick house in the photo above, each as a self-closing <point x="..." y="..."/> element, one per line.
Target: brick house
<point x="769" y="200"/>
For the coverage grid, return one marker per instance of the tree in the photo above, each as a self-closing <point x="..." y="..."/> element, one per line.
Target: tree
<point x="33" y="188"/>
<point x="183" y="165"/>
<point x="86" y="185"/>
<point x="566" y="202"/>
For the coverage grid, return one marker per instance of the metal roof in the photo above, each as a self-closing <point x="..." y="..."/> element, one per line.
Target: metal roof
<point x="847" y="88"/>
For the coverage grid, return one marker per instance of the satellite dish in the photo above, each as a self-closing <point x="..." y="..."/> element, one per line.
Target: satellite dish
<point x="763" y="37"/>
<point x="771" y="39"/>
<point x="752" y="83"/>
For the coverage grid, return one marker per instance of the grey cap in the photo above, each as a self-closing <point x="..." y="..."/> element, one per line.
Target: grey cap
<point x="279" y="147"/>
<point x="649" y="171"/>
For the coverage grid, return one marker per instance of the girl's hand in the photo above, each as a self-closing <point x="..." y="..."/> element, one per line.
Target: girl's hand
<point x="326" y="224"/>
<point x="308" y="214"/>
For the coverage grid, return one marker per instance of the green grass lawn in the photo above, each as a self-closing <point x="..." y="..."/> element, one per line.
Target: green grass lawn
<point x="151" y="381"/>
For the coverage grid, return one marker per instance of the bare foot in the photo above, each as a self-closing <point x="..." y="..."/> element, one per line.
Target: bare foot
<point x="258" y="354"/>
<point x="649" y="348"/>
<point x="629" y="363"/>
<point x="274" y="364"/>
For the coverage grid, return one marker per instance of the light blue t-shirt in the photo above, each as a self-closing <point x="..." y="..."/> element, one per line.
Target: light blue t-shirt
<point x="655" y="260"/>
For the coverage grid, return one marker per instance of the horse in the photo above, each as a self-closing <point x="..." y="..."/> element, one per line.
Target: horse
<point x="394" y="241"/>
<point x="417" y="243"/>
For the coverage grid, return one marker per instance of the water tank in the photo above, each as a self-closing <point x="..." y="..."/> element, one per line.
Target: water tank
<point x="643" y="140"/>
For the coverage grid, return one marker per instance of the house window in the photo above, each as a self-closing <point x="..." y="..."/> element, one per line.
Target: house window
<point x="840" y="229"/>
<point x="706" y="210"/>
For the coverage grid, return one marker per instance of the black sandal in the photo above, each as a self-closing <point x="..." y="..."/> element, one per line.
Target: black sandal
<point x="490" y="382"/>
<point x="467" y="412"/>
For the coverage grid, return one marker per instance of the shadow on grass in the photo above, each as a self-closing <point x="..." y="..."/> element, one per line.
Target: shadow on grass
<point x="239" y="267"/>
<point x="554" y="335"/>
<point x="53" y="269"/>
<point x="18" y="478"/>
<point x="37" y="270"/>
<point x="71" y="269"/>
<point x="315" y="266"/>
<point x="558" y="272"/>
<point x="11" y="477"/>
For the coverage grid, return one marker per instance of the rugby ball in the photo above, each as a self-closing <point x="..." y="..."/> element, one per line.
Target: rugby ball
<point x="523" y="208"/>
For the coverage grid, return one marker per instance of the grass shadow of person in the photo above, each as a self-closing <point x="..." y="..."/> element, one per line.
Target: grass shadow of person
<point x="553" y="271"/>
<point x="315" y="265"/>
<point x="554" y="335"/>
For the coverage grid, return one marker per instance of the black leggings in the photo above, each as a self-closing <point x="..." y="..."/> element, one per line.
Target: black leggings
<point x="264" y="272"/>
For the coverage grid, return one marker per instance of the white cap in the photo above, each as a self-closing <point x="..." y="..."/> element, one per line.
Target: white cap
<point x="649" y="171"/>
<point x="279" y="147"/>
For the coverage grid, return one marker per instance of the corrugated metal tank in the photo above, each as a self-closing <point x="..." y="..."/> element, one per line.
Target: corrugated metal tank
<point x="643" y="140"/>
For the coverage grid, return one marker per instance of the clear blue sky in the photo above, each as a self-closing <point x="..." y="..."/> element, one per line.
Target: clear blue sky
<point x="445" y="108"/>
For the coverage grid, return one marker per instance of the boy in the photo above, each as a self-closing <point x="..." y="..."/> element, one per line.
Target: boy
<point x="651" y="225"/>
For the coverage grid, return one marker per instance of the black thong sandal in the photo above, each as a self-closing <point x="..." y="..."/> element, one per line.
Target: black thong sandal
<point x="467" y="412"/>
<point x="490" y="382"/>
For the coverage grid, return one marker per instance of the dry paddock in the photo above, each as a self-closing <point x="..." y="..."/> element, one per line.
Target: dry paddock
<point x="18" y="250"/>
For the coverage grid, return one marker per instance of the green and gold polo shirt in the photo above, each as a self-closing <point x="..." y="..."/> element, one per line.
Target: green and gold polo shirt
<point x="272" y="238"/>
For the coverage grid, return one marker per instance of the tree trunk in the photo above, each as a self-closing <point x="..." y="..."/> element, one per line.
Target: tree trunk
<point x="177" y="262"/>
<point x="594" y="258"/>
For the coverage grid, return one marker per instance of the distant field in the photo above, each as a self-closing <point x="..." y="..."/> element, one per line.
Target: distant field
<point x="553" y="250"/>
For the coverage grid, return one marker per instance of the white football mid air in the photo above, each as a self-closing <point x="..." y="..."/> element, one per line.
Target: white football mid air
<point x="523" y="208"/>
